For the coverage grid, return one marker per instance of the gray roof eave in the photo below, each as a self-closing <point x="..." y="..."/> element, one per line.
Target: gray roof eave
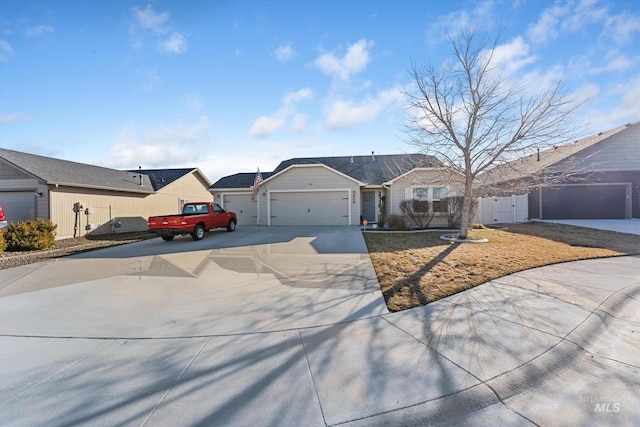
<point x="100" y="187"/>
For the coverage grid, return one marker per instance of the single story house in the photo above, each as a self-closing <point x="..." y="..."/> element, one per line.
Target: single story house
<point x="82" y="198"/>
<point x="335" y="190"/>
<point x="597" y="177"/>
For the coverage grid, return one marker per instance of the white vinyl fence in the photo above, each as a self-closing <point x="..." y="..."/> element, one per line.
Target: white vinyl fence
<point x="502" y="210"/>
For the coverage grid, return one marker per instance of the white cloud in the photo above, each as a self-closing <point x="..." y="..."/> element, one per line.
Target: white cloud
<point x="341" y="114"/>
<point x="192" y="102"/>
<point x="354" y="61"/>
<point x="511" y="57"/>
<point x="284" y="52"/>
<point x="585" y="13"/>
<point x="5" y="50"/>
<point x="537" y="81"/>
<point x="299" y="123"/>
<point x="568" y="17"/>
<point x="149" y="19"/>
<point x="38" y="30"/>
<point x="293" y="98"/>
<point x="622" y="28"/>
<point x="547" y="25"/>
<point x="630" y="105"/>
<point x="455" y="22"/>
<point x="176" y="44"/>
<point x="623" y="108"/>
<point x="165" y="147"/>
<point x="159" y="25"/>
<point x="150" y="79"/>
<point x="264" y="126"/>
<point x="613" y="61"/>
<point x="14" y="117"/>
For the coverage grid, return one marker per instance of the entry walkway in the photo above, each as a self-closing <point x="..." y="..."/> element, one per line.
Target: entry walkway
<point x="286" y="327"/>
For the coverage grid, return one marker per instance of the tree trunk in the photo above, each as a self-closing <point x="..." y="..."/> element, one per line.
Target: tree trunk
<point x="466" y="208"/>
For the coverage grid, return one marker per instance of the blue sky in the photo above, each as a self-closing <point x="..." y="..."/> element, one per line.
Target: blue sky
<point x="230" y="86"/>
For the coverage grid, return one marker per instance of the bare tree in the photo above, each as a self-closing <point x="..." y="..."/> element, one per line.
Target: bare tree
<point x="473" y="117"/>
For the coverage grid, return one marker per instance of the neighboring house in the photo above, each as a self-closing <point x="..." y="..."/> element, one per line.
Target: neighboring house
<point x="335" y="190"/>
<point x="81" y="198"/>
<point x="597" y="177"/>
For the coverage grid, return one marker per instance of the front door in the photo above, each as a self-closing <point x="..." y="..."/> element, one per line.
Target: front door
<point x="368" y="200"/>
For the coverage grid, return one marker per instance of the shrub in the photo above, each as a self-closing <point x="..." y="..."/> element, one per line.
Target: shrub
<point x="30" y="235"/>
<point x="3" y="242"/>
<point x="454" y="205"/>
<point x="418" y="212"/>
<point x="477" y="227"/>
<point x="397" y="222"/>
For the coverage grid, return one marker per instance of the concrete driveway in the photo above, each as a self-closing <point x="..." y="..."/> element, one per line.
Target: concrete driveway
<point x="287" y="326"/>
<point x="629" y="226"/>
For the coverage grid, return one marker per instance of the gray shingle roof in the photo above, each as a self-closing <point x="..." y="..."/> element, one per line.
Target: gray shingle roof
<point x="239" y="180"/>
<point x="619" y="151"/>
<point x="162" y="177"/>
<point x="63" y="172"/>
<point x="563" y="157"/>
<point x="372" y="169"/>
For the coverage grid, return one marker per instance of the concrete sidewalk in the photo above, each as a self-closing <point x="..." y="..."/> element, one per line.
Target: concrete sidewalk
<point x="141" y="341"/>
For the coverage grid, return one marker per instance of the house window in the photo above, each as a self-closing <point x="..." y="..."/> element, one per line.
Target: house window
<point x="439" y="193"/>
<point x="421" y="199"/>
<point x="427" y="198"/>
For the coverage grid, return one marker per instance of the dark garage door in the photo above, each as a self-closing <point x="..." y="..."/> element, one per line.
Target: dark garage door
<point x="585" y="202"/>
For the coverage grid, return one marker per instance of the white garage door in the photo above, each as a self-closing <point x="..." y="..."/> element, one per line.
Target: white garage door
<point x="310" y="208"/>
<point x="246" y="209"/>
<point x="18" y="205"/>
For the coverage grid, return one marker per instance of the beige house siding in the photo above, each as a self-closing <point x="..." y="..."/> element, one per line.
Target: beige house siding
<point x="99" y="209"/>
<point x="309" y="178"/>
<point x="401" y="189"/>
<point x="168" y="199"/>
<point x="117" y="211"/>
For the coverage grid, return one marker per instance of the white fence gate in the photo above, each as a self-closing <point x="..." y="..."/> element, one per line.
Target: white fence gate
<point x="502" y="210"/>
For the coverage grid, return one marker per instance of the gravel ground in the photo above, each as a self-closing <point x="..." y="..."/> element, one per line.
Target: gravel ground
<point x="66" y="247"/>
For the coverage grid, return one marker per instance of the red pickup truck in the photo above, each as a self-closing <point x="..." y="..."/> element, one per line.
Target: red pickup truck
<point x="195" y="219"/>
<point x="3" y="223"/>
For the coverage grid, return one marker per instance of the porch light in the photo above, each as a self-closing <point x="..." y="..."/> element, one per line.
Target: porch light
<point x="353" y="196"/>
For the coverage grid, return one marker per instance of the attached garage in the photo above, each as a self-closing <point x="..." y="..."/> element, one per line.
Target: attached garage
<point x="18" y="205"/>
<point x="321" y="207"/>
<point x="586" y="201"/>
<point x="245" y="208"/>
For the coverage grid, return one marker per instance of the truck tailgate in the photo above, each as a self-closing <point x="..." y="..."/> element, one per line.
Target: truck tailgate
<point x="167" y="222"/>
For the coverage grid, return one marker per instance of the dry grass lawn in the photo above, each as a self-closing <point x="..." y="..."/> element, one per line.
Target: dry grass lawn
<point x="417" y="268"/>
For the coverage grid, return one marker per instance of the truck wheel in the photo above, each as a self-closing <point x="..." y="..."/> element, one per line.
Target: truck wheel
<point x="167" y="238"/>
<point x="198" y="232"/>
<point x="232" y="225"/>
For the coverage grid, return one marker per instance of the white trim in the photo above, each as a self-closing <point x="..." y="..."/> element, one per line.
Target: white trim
<point x="334" y="190"/>
<point x="315" y="165"/>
